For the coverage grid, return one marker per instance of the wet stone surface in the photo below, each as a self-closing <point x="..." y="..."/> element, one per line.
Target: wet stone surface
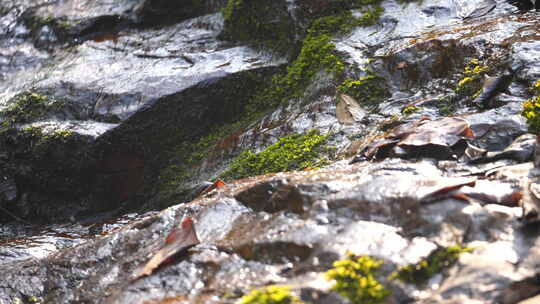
<point x="98" y="97"/>
<point x="402" y="224"/>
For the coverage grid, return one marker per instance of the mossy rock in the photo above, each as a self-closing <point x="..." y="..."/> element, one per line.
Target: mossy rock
<point x="28" y="107"/>
<point x="311" y="9"/>
<point x="261" y="22"/>
<point x="52" y="169"/>
<point x="294" y="152"/>
<point x="435" y="263"/>
<point x="473" y="78"/>
<point x="367" y="90"/>
<point x="153" y="12"/>
<point x="177" y="132"/>
<point x="274" y="294"/>
<point x="531" y="110"/>
<point x="355" y="278"/>
<point x="318" y="53"/>
<point x="43" y="159"/>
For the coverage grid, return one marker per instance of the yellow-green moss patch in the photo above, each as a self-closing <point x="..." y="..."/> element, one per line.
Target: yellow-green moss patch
<point x="27" y="107"/>
<point x="355" y="279"/>
<point x="473" y="76"/>
<point x="408" y="110"/>
<point x="270" y="295"/>
<point x="531" y="110"/>
<point x="435" y="263"/>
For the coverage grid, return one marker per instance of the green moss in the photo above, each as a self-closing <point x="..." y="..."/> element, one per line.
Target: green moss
<point x="270" y="295"/>
<point x="40" y="142"/>
<point x="531" y="110"/>
<point x="294" y="152"/>
<point x="249" y="20"/>
<point x="27" y="107"/>
<point x="355" y="279"/>
<point x="408" y="110"/>
<point x="34" y="299"/>
<point x="232" y="6"/>
<point x="369" y="90"/>
<point x="536" y="88"/>
<point x="317" y="51"/>
<point x="473" y="77"/>
<point x="370" y="16"/>
<point x="436" y="262"/>
<point x="174" y="175"/>
<point x="184" y="157"/>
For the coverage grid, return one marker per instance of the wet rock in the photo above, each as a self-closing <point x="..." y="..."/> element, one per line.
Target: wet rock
<point x="8" y="189"/>
<point x="492" y="87"/>
<point x="525" y="4"/>
<point x="531" y="300"/>
<point x="488" y="192"/>
<point x="521" y="290"/>
<point x="165" y="12"/>
<point x="272" y="197"/>
<point x="274" y="253"/>
<point x="473" y="9"/>
<point x="91" y="105"/>
<point x="521" y="150"/>
<point x="532" y="204"/>
<point x="134" y="94"/>
<point x="495" y="135"/>
<point x="179" y="240"/>
<point x="242" y="247"/>
<point x="316" y="296"/>
<point x="45" y="157"/>
<point x="268" y="23"/>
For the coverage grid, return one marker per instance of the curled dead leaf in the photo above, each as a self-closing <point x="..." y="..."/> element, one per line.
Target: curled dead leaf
<point x="217" y="184"/>
<point x="179" y="240"/>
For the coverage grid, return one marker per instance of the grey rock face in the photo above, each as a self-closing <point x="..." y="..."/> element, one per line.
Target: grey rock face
<point x="110" y="74"/>
<point x="351" y="209"/>
<point x="97" y="98"/>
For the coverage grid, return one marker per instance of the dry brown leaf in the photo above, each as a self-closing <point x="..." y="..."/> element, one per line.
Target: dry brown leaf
<point x="217" y="184"/>
<point x="180" y="239"/>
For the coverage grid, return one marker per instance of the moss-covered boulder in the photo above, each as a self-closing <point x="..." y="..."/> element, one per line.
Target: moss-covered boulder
<point x="50" y="166"/>
<point x="266" y="22"/>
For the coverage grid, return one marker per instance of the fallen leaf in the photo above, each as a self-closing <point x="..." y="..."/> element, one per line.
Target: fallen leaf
<point x="469" y="133"/>
<point x="442" y="139"/>
<point x="461" y="197"/>
<point x="217" y="184"/>
<point x="433" y="190"/>
<point x="179" y="240"/>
